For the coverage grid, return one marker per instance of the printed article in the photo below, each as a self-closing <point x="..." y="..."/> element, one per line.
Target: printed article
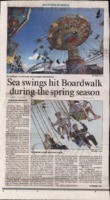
<point x="55" y="89"/>
<point x="64" y="168"/>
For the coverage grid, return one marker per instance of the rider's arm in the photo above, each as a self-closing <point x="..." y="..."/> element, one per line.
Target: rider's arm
<point x="84" y="127"/>
<point x="53" y="124"/>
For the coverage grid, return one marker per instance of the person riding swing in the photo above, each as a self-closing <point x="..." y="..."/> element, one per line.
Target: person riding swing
<point x="80" y="111"/>
<point x="63" y="123"/>
<point x="79" y="134"/>
<point x="49" y="143"/>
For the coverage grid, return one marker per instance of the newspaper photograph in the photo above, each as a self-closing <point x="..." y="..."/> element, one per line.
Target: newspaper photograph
<point x="71" y="123"/>
<point x="54" y="100"/>
<point x="55" y="40"/>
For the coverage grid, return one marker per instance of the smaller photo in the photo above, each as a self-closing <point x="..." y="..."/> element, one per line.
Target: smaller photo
<point x="66" y="125"/>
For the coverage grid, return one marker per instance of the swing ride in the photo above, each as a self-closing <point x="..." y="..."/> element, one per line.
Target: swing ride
<point x="67" y="33"/>
<point x="40" y="114"/>
<point x="70" y="44"/>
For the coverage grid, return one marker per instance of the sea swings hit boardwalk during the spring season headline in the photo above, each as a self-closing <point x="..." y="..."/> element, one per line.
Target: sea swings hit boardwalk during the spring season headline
<point x="41" y="90"/>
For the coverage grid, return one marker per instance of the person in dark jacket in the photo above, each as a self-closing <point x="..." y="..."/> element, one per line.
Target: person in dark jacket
<point x="79" y="134"/>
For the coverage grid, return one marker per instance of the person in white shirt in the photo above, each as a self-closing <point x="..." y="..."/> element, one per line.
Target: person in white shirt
<point x="80" y="111"/>
<point x="63" y="123"/>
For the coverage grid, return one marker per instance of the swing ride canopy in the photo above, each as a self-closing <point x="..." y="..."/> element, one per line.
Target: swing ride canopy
<point x="68" y="32"/>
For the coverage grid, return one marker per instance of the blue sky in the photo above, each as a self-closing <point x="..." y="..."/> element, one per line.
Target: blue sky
<point x="38" y="24"/>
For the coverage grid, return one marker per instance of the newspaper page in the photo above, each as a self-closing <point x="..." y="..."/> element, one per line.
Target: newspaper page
<point x="54" y="100"/>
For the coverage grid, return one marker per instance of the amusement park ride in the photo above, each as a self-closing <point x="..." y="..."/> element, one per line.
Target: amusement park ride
<point x="42" y="110"/>
<point x="65" y="35"/>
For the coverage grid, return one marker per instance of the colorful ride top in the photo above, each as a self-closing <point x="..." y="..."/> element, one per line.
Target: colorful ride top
<point x="67" y="33"/>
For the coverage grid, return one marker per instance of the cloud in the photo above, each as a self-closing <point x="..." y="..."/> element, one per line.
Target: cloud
<point x="34" y="57"/>
<point x="25" y="66"/>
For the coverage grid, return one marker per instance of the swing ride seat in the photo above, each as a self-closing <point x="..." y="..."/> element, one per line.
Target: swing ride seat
<point x="81" y="141"/>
